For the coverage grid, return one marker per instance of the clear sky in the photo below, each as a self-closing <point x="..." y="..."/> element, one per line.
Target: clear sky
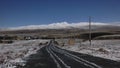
<point x="35" y="12"/>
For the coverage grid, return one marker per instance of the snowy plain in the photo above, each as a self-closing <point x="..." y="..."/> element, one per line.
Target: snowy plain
<point x="108" y="49"/>
<point x="13" y="54"/>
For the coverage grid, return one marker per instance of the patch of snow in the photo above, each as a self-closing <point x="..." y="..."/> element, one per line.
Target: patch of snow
<point x="109" y="49"/>
<point x="13" y="54"/>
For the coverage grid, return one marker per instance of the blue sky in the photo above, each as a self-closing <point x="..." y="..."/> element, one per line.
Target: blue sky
<point x="15" y="13"/>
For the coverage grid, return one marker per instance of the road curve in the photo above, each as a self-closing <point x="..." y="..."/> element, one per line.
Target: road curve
<point x="52" y="56"/>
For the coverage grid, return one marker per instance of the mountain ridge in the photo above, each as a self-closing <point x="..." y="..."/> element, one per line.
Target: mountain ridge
<point x="63" y="25"/>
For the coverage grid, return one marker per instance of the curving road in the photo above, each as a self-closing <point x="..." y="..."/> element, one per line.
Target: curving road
<point x="52" y="56"/>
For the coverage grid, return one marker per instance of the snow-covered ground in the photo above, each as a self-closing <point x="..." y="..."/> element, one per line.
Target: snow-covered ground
<point x="13" y="54"/>
<point x="109" y="49"/>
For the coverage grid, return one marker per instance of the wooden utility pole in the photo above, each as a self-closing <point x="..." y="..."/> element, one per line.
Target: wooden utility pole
<point x="90" y="30"/>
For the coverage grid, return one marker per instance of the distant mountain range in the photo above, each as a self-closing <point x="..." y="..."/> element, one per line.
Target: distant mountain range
<point x="65" y="25"/>
<point x="61" y="28"/>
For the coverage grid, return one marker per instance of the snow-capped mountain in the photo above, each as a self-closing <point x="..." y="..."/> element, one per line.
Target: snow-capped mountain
<point x="60" y="25"/>
<point x="66" y="25"/>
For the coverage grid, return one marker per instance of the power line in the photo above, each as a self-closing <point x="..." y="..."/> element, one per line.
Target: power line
<point x="90" y="30"/>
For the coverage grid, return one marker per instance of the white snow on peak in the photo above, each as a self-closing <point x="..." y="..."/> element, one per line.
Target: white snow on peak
<point x="58" y="25"/>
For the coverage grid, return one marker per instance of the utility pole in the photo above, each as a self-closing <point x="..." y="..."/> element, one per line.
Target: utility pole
<point x="90" y="30"/>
